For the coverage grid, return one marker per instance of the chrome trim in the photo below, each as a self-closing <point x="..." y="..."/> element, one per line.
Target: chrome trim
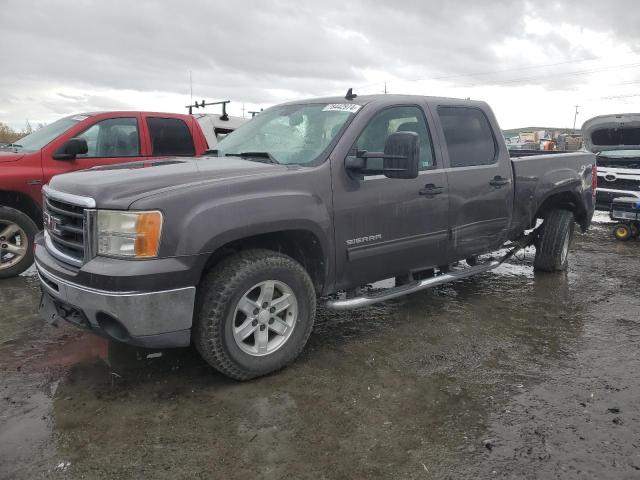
<point x="78" y="200"/>
<point x="51" y="248"/>
<point x="123" y="293"/>
<point x="141" y="313"/>
<point x="90" y="237"/>
<point x="366" y="300"/>
<point x="612" y="190"/>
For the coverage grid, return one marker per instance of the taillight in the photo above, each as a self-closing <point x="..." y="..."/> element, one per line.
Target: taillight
<point x="594" y="179"/>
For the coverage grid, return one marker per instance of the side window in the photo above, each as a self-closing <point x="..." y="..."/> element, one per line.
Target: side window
<point x="170" y="136"/>
<point x="469" y="136"/>
<point x="391" y="120"/>
<point x="114" y="137"/>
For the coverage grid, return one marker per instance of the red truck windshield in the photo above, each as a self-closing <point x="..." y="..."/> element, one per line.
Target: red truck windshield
<point x="38" y="139"/>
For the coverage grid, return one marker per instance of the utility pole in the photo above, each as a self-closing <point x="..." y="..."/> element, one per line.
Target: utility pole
<point x="385" y="87"/>
<point x="575" y="117"/>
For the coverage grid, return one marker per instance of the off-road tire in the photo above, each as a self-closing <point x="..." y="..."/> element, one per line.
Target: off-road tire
<point x="30" y="228"/>
<point x="216" y="300"/>
<point x="551" y="241"/>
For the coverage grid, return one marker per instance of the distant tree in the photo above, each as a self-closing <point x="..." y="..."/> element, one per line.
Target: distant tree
<point x="8" y="134"/>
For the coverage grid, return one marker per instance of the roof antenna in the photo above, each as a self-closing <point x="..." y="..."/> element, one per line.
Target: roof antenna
<point x="350" y="95"/>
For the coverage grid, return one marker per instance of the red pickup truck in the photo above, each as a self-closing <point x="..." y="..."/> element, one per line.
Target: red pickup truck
<point x="74" y="143"/>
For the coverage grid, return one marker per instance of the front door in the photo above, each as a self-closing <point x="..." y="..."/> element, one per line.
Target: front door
<point x="386" y="227"/>
<point x="109" y="141"/>
<point x="480" y="179"/>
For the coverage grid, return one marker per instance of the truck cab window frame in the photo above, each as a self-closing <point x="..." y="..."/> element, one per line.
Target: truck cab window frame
<point x="467" y="131"/>
<point x="398" y="118"/>
<point x="112" y="138"/>
<point x="170" y="137"/>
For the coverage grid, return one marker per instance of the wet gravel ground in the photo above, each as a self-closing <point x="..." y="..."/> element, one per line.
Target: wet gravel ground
<point x="504" y="375"/>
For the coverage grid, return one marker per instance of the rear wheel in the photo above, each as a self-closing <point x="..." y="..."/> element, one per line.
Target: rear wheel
<point x="17" y="232"/>
<point x="552" y="246"/>
<point x="622" y="232"/>
<point x="254" y="313"/>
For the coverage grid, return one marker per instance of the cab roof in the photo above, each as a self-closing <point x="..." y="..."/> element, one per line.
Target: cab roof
<point x="392" y="99"/>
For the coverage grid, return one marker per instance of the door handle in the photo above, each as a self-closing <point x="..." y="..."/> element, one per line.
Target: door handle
<point x="499" y="181"/>
<point x="430" y="190"/>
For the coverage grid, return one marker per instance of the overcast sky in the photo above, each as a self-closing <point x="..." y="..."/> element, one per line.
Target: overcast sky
<point x="532" y="61"/>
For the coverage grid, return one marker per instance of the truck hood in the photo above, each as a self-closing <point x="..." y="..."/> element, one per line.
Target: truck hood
<point x="118" y="186"/>
<point x="10" y="156"/>
<point x="612" y="132"/>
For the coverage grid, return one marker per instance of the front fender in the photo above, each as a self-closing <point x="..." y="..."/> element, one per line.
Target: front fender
<point x="216" y="223"/>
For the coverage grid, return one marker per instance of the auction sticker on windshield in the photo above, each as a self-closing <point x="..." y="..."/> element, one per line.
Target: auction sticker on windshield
<point x="342" y="107"/>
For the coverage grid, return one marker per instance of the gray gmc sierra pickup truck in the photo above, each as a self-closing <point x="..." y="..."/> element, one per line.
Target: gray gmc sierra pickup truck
<point x="309" y="200"/>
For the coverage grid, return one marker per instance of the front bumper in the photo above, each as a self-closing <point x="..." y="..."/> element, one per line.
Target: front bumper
<point x="156" y="319"/>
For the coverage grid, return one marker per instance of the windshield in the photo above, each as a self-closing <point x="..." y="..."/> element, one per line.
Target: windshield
<point x="288" y="134"/>
<point x="38" y="139"/>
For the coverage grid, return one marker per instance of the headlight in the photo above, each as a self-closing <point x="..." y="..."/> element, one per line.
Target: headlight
<point x="129" y="234"/>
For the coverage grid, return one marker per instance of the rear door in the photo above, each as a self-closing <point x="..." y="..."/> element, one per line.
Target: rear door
<point x="480" y="181"/>
<point x="169" y="137"/>
<point x="386" y="227"/>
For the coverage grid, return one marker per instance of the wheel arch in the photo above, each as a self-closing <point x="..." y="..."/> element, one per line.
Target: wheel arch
<point x="565" y="200"/>
<point x="23" y="203"/>
<point x="302" y="245"/>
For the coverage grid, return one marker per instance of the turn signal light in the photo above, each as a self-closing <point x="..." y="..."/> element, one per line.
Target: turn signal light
<point x="148" y="229"/>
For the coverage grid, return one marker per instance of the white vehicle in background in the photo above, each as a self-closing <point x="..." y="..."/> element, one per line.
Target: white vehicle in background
<point x="615" y="139"/>
<point x="215" y="127"/>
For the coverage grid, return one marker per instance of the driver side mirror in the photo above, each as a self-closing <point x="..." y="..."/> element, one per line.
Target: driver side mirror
<point x="400" y="158"/>
<point x="401" y="155"/>
<point x="70" y="149"/>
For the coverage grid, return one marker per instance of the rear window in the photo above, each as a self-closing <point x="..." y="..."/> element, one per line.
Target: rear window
<point x="468" y="135"/>
<point x="170" y="136"/>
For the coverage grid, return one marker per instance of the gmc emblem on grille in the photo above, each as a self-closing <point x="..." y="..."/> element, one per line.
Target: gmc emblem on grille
<point x="52" y="223"/>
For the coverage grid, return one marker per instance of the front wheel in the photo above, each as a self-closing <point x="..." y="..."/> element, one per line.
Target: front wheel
<point x="552" y="246"/>
<point x="17" y="232"/>
<point x="254" y="313"/>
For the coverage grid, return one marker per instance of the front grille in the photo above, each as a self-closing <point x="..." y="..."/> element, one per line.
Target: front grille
<point x="619" y="184"/>
<point x="65" y="225"/>
<point x="633" y="164"/>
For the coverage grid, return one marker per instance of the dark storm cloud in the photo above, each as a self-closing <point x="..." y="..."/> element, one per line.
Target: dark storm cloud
<point x="245" y="49"/>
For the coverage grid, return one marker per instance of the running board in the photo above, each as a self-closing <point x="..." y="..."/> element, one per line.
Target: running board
<point x="384" y="295"/>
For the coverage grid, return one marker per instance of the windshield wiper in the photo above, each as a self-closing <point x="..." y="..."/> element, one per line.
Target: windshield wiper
<point x="258" y="156"/>
<point x="211" y="152"/>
